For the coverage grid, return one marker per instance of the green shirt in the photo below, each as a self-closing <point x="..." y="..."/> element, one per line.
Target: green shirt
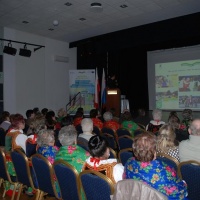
<point x="74" y="155"/>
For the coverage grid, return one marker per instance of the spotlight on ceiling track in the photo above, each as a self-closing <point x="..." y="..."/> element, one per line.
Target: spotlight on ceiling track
<point x="25" y="52"/>
<point x="9" y="49"/>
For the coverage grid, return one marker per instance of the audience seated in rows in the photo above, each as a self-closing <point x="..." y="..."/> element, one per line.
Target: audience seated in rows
<point x="70" y="151"/>
<point x="155" y="124"/>
<point x="190" y="149"/>
<point x="100" y="161"/>
<point x="128" y="122"/>
<point x="156" y="173"/>
<point x="166" y="141"/>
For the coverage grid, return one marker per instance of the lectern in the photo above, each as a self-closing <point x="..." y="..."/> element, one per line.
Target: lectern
<point x="113" y="100"/>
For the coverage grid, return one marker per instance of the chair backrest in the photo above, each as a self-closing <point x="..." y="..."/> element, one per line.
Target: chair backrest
<point x="125" y="141"/>
<point x="30" y="148"/>
<point x="5" y="176"/>
<point x="82" y="142"/>
<point x="142" y="126"/>
<point x="44" y="173"/>
<point x="67" y="177"/>
<point x="124" y="155"/>
<point x="113" y="153"/>
<point x="108" y="130"/>
<point x="111" y="140"/>
<point x="23" y="170"/>
<point x="173" y="162"/>
<point x="123" y="131"/>
<point x="97" y="130"/>
<point x="189" y="171"/>
<point x="134" y="189"/>
<point x="95" y="185"/>
<point x="2" y="136"/>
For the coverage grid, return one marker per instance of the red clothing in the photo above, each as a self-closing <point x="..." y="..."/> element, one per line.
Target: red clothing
<point x="77" y="121"/>
<point x="97" y="122"/>
<point x="112" y="124"/>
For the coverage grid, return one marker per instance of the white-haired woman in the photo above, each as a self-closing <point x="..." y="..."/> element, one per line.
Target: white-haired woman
<point x="109" y="122"/>
<point x="45" y="142"/>
<point x="155" y="124"/>
<point x="70" y="151"/>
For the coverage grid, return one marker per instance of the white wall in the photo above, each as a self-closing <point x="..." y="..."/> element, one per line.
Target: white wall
<point x="37" y="81"/>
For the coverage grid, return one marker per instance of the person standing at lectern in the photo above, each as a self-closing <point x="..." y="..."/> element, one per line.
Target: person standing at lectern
<point x="112" y="82"/>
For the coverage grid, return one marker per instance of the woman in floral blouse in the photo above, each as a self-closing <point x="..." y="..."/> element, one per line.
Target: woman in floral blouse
<point x="157" y="174"/>
<point x="45" y="142"/>
<point x="70" y="151"/>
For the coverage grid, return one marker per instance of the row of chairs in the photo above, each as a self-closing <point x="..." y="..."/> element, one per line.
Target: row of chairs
<point x="40" y="175"/>
<point x="32" y="173"/>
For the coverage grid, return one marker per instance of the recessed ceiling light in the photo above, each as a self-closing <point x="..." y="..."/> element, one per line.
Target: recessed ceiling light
<point x="96" y="7"/>
<point x="82" y="19"/>
<point x="123" y="6"/>
<point x="68" y="4"/>
<point x="25" y="22"/>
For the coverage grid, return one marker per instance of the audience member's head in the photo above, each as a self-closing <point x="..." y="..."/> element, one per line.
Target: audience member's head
<point x="93" y="113"/>
<point x="157" y="114"/>
<point x="144" y="147"/>
<point x="36" y="109"/>
<point x="61" y="112"/>
<point x="166" y="138"/>
<point x="141" y="112"/>
<point x="38" y="124"/>
<point x="187" y="114"/>
<point x="30" y="114"/>
<point x="5" y="116"/>
<point x="67" y="135"/>
<point x="44" y="111"/>
<point x="98" y="147"/>
<point x="107" y="116"/>
<point x="194" y="128"/>
<point x="126" y="116"/>
<point x="174" y="121"/>
<point x="45" y="138"/>
<point x="87" y="125"/>
<point x="66" y="121"/>
<point x="18" y="122"/>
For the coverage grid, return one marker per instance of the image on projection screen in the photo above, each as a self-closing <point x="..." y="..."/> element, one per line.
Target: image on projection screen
<point x="177" y="85"/>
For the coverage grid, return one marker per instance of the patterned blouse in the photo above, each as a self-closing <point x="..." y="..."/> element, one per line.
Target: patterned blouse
<point x="97" y="122"/>
<point x="130" y="125"/>
<point x="112" y="124"/>
<point x="158" y="175"/>
<point x="49" y="152"/>
<point x="74" y="155"/>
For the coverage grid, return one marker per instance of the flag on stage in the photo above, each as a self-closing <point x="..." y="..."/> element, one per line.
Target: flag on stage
<point x="97" y="90"/>
<point x="103" y="90"/>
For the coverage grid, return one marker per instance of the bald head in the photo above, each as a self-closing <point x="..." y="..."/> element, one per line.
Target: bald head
<point x="194" y="128"/>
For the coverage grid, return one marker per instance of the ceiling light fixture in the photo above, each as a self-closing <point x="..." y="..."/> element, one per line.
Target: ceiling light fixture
<point x="25" y="52"/>
<point x="9" y="49"/>
<point x="96" y="7"/>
